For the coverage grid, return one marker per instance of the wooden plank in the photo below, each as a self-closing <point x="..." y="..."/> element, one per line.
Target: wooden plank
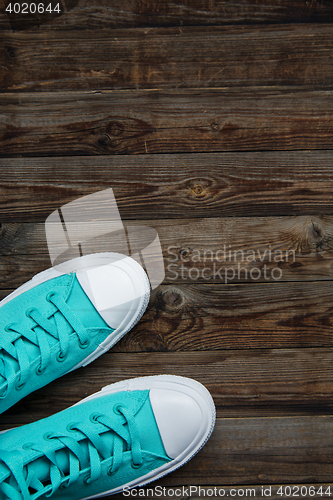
<point x="231" y="56"/>
<point x="211" y="250"/>
<point x="85" y="14"/>
<point x="269" y="450"/>
<point x="172" y="186"/>
<point x="185" y="318"/>
<point x="141" y="122"/>
<point x="245" y="316"/>
<point x="243" y="382"/>
<point x="201" y="317"/>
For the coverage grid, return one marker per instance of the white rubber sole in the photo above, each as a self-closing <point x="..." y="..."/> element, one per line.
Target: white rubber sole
<point x="189" y="387"/>
<point x="138" y="278"/>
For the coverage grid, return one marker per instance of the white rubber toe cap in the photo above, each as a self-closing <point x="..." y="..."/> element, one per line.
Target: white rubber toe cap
<point x="116" y="289"/>
<point x="180" y="418"/>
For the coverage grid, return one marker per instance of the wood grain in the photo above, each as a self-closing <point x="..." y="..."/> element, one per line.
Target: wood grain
<point x="172" y="186"/>
<point x="298" y="54"/>
<point x="243" y="382"/>
<point x="215" y="128"/>
<point x="83" y="14"/>
<point x="147" y="122"/>
<point x="186" y="318"/>
<point x="244" y="316"/>
<point x="210" y="250"/>
<point x="294" y="311"/>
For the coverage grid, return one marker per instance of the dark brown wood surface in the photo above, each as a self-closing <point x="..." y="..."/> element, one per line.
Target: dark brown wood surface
<point x="164" y="58"/>
<point x="212" y="123"/>
<point x="149" y="13"/>
<point x="186" y="318"/>
<point x="170" y="186"/>
<point x="158" y="121"/>
<point x="200" y="250"/>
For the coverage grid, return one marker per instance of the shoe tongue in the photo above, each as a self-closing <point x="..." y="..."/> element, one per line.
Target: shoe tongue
<point x="150" y="438"/>
<point x="81" y="305"/>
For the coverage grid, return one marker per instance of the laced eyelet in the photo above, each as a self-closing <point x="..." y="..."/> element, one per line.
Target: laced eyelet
<point x="94" y="418"/>
<point x="3" y="396"/>
<point x="8" y="328"/>
<point x="65" y="484"/>
<point x="27" y="446"/>
<point x="18" y="385"/>
<point x="135" y="466"/>
<point x="29" y="311"/>
<point x="117" y="407"/>
<point x="110" y="472"/>
<point x="87" y="479"/>
<point x="84" y="344"/>
<point x="48" y="436"/>
<point x="39" y="370"/>
<point x="50" y="295"/>
<point x="71" y="427"/>
<point x="61" y="356"/>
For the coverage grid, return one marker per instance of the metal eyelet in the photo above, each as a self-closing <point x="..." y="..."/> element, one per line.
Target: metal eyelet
<point x="117" y="407"/>
<point x="3" y="396"/>
<point x="87" y="479"/>
<point x="61" y="356"/>
<point x="71" y="427"/>
<point x="27" y="446"/>
<point x="94" y="418"/>
<point x="8" y="328"/>
<point x="29" y="311"/>
<point x="85" y="344"/>
<point x="110" y="472"/>
<point x="65" y="484"/>
<point x="39" y="370"/>
<point x="48" y="436"/>
<point x="18" y="385"/>
<point x="136" y="466"/>
<point x="50" y="295"/>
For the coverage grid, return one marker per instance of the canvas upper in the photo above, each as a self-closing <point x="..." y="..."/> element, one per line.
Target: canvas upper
<point x="63" y="319"/>
<point x="44" y="333"/>
<point x="82" y="451"/>
<point x="128" y="434"/>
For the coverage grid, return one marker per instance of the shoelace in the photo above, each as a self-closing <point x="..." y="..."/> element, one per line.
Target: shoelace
<point x="18" y="351"/>
<point x="21" y="482"/>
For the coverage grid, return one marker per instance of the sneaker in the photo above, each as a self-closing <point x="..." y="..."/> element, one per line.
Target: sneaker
<point x="64" y="318"/>
<point x="128" y="434"/>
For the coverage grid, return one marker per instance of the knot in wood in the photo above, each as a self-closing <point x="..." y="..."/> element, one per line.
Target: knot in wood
<point x="184" y="253"/>
<point x="11" y="51"/>
<point x="104" y="139"/>
<point x="172" y="300"/>
<point x="198" y="190"/>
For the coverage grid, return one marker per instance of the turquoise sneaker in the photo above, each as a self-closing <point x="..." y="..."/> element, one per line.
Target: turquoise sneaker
<point x="128" y="434"/>
<point x="64" y="318"/>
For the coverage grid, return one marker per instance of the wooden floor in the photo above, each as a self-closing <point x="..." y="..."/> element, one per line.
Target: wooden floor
<point x="212" y="121"/>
